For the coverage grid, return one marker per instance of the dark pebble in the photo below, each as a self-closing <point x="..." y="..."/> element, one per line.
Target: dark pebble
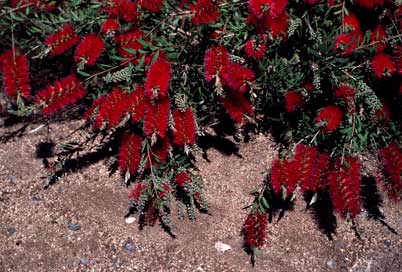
<point x="11" y="230"/>
<point x="129" y="247"/>
<point x="36" y="199"/>
<point x="84" y="261"/>
<point x="12" y="179"/>
<point x="387" y="243"/>
<point x="74" y="227"/>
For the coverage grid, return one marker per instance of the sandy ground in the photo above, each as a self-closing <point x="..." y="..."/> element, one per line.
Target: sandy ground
<point x="35" y="233"/>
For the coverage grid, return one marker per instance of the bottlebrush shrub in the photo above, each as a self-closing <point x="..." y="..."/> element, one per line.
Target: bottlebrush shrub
<point x="324" y="77"/>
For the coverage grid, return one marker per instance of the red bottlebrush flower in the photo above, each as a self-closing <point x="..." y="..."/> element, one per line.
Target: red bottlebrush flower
<point x="347" y="94"/>
<point x="205" y="12"/>
<point x="89" y="49"/>
<point x="348" y="42"/>
<point x="293" y="101"/>
<point x="370" y="3"/>
<point x="129" y="40"/>
<point x="114" y="106"/>
<point x="34" y="3"/>
<point x="184" y="125"/>
<point x="92" y="111"/>
<point x="136" y="102"/>
<point x="273" y="8"/>
<point x="182" y="178"/>
<point x="123" y="9"/>
<point x="254" y="230"/>
<point x="312" y="2"/>
<point x="151" y="5"/>
<point x="344" y="183"/>
<point x="158" y="79"/>
<point x="137" y="191"/>
<point x="156" y="117"/>
<point x="60" y="94"/>
<point x="255" y="48"/>
<point x="237" y="77"/>
<point x="382" y="65"/>
<point x="215" y="62"/>
<point x="277" y="25"/>
<point x="62" y="40"/>
<point x="330" y="118"/>
<point x="15" y="69"/>
<point x="377" y="36"/>
<point x="237" y="105"/>
<point x="391" y="160"/>
<point x="159" y="153"/>
<point x="283" y="174"/>
<point x="351" y="23"/>
<point x="166" y="189"/>
<point x="110" y="25"/>
<point x="130" y="153"/>
<point x="305" y="160"/>
<point x="383" y="114"/>
<point x="309" y="86"/>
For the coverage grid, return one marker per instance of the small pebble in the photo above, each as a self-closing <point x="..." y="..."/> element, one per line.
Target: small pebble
<point x="387" y="243"/>
<point x="84" y="261"/>
<point x="129" y="247"/>
<point x="74" y="227"/>
<point x="12" y="179"/>
<point x="11" y="230"/>
<point x="331" y="264"/>
<point x="130" y="220"/>
<point x="221" y="247"/>
<point x="36" y="199"/>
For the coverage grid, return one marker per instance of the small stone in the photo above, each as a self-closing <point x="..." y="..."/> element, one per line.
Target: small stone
<point x="74" y="227"/>
<point x="12" y="178"/>
<point x="84" y="261"/>
<point x="130" y="220"/>
<point x="129" y="247"/>
<point x="331" y="264"/>
<point x="387" y="243"/>
<point x="36" y="199"/>
<point x="11" y="230"/>
<point x="221" y="247"/>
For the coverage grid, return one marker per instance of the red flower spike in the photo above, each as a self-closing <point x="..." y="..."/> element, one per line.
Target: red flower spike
<point x="205" y="12"/>
<point x="383" y="114"/>
<point x="156" y="117"/>
<point x="129" y="40"/>
<point x="283" y="174"/>
<point x="255" y="229"/>
<point x="237" y="105"/>
<point x="391" y="160"/>
<point x="137" y="104"/>
<point x="110" y="25"/>
<point x="215" y="62"/>
<point x="348" y="42"/>
<point x="158" y="79"/>
<point x="130" y="153"/>
<point x="62" y="40"/>
<point x="113" y="108"/>
<point x="89" y="49"/>
<point x="237" y="77"/>
<point x="182" y="178"/>
<point x="305" y="160"/>
<point x="60" y="94"/>
<point x="370" y="4"/>
<point x="277" y="25"/>
<point x="15" y="69"/>
<point x="137" y="191"/>
<point x="377" y="37"/>
<point x="184" y="125"/>
<point x="123" y="9"/>
<point x="94" y="108"/>
<point x="344" y="183"/>
<point x="351" y="23"/>
<point x="293" y="101"/>
<point x="36" y="4"/>
<point x="159" y="153"/>
<point x="347" y="94"/>
<point x="383" y="65"/>
<point x="255" y="49"/>
<point x="272" y="8"/>
<point x="330" y="118"/>
<point x="151" y="5"/>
